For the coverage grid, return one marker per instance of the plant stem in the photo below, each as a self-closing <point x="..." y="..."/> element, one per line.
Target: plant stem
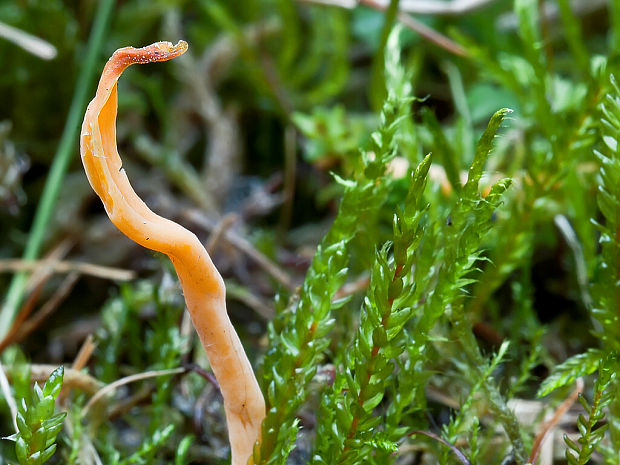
<point x="498" y="405"/>
<point x="60" y="163"/>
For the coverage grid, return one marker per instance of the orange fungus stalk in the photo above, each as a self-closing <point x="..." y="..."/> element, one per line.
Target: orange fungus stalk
<point x="202" y="284"/>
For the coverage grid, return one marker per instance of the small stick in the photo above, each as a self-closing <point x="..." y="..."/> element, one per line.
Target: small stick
<point x="244" y="246"/>
<point x="216" y="235"/>
<point x="73" y="379"/>
<point x="557" y="416"/>
<point x="41" y="273"/>
<point x="24" y="312"/>
<point x="80" y="361"/>
<point x="464" y="460"/>
<point x="98" y="271"/>
<point x="83" y="356"/>
<point x="407" y="20"/>
<point x="425" y="31"/>
<point x="421" y="7"/>
<point x="25" y="328"/>
<point x="108" y="388"/>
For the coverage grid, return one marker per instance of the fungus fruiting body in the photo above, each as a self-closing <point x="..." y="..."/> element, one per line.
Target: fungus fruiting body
<point x="202" y="284"/>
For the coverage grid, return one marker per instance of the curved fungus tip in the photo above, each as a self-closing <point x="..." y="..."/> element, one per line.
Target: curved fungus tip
<point x="203" y="287"/>
<point x="159" y="51"/>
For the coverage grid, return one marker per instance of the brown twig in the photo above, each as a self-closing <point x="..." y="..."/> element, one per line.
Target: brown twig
<point x="203" y="373"/>
<point x="123" y="406"/>
<point x="464" y="460"/>
<point x="80" y="361"/>
<point x="550" y="424"/>
<point x="251" y="300"/>
<point x="106" y="272"/>
<point x="41" y="273"/>
<point x="73" y="379"/>
<point x="421" y="7"/>
<point x="431" y="35"/>
<point x="220" y="229"/>
<point x="408" y="21"/>
<point x="84" y="354"/>
<point x="425" y="31"/>
<point x="244" y="246"/>
<point x="23" y="313"/>
<point x="21" y="329"/>
<point x="108" y="388"/>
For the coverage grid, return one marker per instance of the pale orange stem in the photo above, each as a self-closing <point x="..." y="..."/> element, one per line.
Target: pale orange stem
<point x="202" y="284"/>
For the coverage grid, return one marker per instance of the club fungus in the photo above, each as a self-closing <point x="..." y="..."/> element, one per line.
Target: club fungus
<point x="201" y="282"/>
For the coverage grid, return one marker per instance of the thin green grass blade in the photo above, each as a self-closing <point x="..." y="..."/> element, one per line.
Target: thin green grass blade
<point x="377" y="78"/>
<point x="58" y="169"/>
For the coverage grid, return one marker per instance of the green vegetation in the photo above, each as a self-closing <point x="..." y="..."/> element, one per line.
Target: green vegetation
<point x="37" y="424"/>
<point x="417" y="216"/>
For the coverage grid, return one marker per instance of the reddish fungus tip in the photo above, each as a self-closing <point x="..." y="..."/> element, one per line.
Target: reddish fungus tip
<point x="159" y="51"/>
